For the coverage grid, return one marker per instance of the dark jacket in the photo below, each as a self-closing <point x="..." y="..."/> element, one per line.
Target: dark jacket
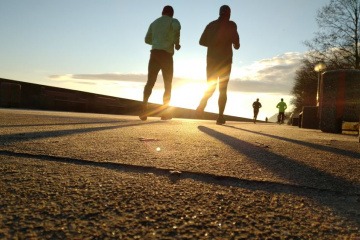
<point x="256" y="105"/>
<point x="219" y="36"/>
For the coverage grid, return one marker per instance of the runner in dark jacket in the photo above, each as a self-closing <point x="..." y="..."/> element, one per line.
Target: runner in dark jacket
<point x="219" y="37"/>
<point x="256" y="105"/>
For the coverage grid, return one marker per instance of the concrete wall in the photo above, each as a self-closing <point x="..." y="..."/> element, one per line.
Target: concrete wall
<point x="16" y="94"/>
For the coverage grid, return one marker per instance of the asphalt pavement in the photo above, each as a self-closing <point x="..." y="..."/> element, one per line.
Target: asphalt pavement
<point x="95" y="176"/>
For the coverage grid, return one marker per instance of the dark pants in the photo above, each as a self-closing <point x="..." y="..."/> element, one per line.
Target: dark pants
<point x="217" y="71"/>
<point x="159" y="60"/>
<point x="281" y="117"/>
<point x="256" y="112"/>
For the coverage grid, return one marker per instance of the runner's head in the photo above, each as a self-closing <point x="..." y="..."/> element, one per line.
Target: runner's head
<point x="225" y="12"/>
<point x="168" y="11"/>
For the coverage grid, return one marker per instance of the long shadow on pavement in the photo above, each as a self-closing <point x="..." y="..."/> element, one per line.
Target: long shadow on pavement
<point x="20" y="137"/>
<point x="57" y="124"/>
<point x="295" y="172"/>
<point x="347" y="153"/>
<point x="300" y="175"/>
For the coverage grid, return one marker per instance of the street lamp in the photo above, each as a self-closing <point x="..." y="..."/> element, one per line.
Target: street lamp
<point x="319" y="68"/>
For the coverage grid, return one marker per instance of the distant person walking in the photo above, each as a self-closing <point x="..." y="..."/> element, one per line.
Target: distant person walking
<point x="219" y="37"/>
<point x="282" y="107"/>
<point x="163" y="34"/>
<point x="256" y="106"/>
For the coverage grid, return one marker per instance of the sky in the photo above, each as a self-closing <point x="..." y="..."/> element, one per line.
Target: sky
<point x="98" y="46"/>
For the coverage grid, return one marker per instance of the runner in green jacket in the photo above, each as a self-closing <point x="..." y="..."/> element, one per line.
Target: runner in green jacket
<point x="282" y="107"/>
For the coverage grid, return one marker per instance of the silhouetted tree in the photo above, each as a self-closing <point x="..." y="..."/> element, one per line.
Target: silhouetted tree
<point x="336" y="44"/>
<point x="337" y="41"/>
<point x="305" y="87"/>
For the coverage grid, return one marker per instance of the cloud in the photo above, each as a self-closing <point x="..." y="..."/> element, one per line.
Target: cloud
<point x="258" y="87"/>
<point x="273" y="75"/>
<point x="102" y="76"/>
<point x="116" y="78"/>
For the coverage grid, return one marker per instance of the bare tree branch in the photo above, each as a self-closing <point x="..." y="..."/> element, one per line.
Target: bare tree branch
<point x="336" y="43"/>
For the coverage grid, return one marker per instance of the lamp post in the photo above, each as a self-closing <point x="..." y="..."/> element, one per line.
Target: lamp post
<point x="319" y="68"/>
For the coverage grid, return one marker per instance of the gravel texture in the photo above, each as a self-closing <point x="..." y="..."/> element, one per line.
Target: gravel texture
<point x="85" y="176"/>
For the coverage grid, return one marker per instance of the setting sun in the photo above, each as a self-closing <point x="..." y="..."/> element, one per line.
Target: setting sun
<point x="188" y="95"/>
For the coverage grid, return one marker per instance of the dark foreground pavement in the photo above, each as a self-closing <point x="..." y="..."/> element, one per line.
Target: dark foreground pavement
<point x="87" y="176"/>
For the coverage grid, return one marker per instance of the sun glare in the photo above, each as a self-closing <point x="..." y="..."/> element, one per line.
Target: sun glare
<point x="191" y="68"/>
<point x="188" y="95"/>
